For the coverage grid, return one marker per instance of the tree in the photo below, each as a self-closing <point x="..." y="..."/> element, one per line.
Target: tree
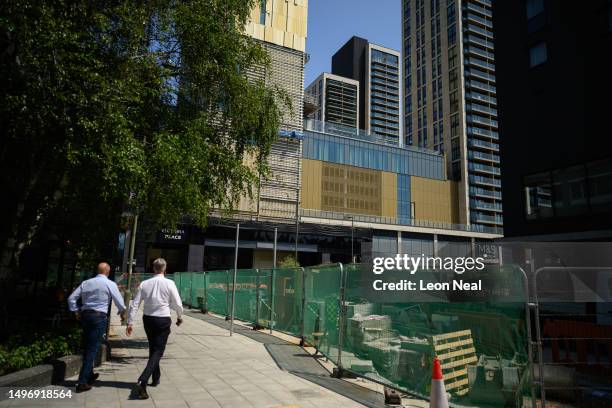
<point x="100" y="101"/>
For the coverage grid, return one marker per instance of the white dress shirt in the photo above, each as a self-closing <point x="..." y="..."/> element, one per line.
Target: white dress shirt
<point x="159" y="294"/>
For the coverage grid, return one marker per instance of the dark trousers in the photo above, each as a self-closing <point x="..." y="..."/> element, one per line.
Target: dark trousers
<point x="94" y="327"/>
<point x="158" y="330"/>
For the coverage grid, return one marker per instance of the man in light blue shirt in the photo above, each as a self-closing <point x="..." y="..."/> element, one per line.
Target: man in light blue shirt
<point x="95" y="294"/>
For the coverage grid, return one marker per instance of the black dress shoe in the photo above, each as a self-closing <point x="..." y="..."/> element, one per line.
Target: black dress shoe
<point x="154" y="383"/>
<point x="141" y="391"/>
<point x="93" y="378"/>
<point x="83" y="388"/>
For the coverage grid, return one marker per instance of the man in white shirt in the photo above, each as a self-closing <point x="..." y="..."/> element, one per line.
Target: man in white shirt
<point x="159" y="295"/>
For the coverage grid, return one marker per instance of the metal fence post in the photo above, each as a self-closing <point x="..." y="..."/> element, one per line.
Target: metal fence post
<point x="271" y="299"/>
<point x="303" y="307"/>
<point x="340" y="369"/>
<point x="529" y="339"/>
<point x="257" y="299"/>
<point x="234" y="281"/>
<point x="205" y="310"/>
<point x="227" y="298"/>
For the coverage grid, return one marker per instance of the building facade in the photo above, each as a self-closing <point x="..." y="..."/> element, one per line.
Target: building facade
<point x="556" y="172"/>
<point x="450" y="98"/>
<point x="337" y="99"/>
<point x="377" y="69"/>
<point x="336" y="193"/>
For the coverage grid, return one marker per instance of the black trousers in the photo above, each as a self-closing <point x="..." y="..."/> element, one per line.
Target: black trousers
<point x="158" y="330"/>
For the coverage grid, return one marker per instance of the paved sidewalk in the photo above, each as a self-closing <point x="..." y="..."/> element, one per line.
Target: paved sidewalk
<point x="202" y="367"/>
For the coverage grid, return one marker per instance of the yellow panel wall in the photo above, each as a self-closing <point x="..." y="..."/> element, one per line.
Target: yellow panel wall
<point x="389" y="194"/>
<point x="311" y="184"/>
<point x="434" y="200"/>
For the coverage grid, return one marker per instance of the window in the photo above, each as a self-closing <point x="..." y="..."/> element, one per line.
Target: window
<point x="570" y="191"/>
<point x="537" y="54"/>
<point x="534" y="7"/>
<point x="262" y="12"/>
<point x="538" y="196"/>
<point x="600" y="185"/>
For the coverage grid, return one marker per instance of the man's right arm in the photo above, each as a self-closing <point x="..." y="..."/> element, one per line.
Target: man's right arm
<point x="175" y="301"/>
<point x="73" y="298"/>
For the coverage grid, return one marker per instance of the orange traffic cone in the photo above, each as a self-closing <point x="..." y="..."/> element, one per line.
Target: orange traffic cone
<point x="438" y="397"/>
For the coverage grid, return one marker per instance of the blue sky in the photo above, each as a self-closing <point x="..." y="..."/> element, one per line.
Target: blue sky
<point x="332" y="22"/>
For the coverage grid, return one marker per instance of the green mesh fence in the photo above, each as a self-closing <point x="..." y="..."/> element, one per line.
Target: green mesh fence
<point x="217" y="291"/>
<point x="322" y="309"/>
<point x="198" y="290"/>
<point x="245" y="307"/>
<point x="264" y="298"/>
<point x="482" y="345"/>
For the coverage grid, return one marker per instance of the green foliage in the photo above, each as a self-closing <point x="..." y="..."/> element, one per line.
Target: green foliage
<point x="17" y="354"/>
<point x="289" y="262"/>
<point x="99" y="100"/>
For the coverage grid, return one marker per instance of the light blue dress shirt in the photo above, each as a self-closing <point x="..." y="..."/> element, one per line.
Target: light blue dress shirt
<point x="95" y="294"/>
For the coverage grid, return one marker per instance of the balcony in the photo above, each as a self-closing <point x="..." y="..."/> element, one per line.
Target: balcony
<point x="480" y="20"/>
<point x="476" y="73"/>
<point x="481" y="85"/>
<point x="481" y="97"/>
<point x="389" y="90"/>
<point x="483" y="168"/>
<point x="482" y="192"/>
<point x="480" y="63"/>
<point x="481" y="120"/>
<point x="479" y="52"/>
<point x="489" y="219"/>
<point x="482" y="31"/>
<point x="485" y="205"/>
<point x="483" y="156"/>
<point x="481" y="108"/>
<point x="484" y="180"/>
<point x="479" y="41"/>
<point x="479" y="9"/>
<point x="483" y="132"/>
<point x="483" y="144"/>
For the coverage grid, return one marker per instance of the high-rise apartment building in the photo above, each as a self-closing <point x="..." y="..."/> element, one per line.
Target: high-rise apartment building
<point x="450" y="98"/>
<point x="377" y="69"/>
<point x="337" y="99"/>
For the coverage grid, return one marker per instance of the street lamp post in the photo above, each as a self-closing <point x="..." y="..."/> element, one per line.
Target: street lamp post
<point x="350" y="217"/>
<point x="128" y="292"/>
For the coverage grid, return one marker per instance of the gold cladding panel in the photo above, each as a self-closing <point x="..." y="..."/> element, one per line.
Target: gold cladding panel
<point x="286" y="23"/>
<point x="311" y="184"/>
<point x="389" y="194"/>
<point x="434" y="200"/>
<point x="350" y="189"/>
